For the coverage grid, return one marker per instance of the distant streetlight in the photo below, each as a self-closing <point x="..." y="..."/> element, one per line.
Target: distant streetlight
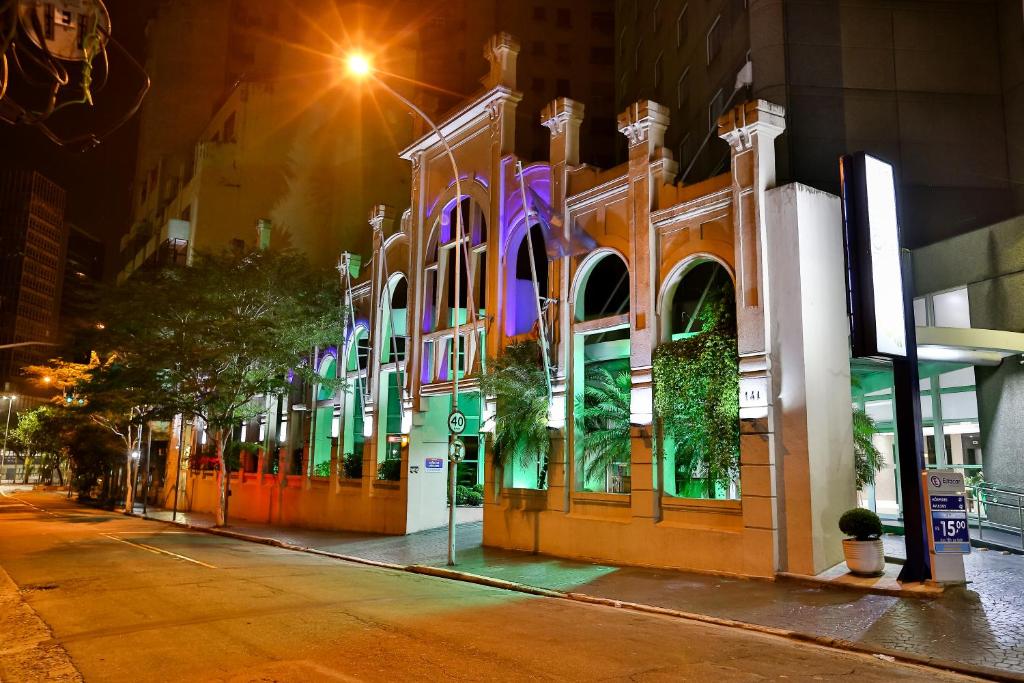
<point x="359" y="67"/>
<point x="10" y="398"/>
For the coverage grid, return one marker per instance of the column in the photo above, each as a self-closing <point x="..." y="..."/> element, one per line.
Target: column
<point x="643" y="124"/>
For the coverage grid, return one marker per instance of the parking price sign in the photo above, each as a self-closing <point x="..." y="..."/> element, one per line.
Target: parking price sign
<point x="947" y="505"/>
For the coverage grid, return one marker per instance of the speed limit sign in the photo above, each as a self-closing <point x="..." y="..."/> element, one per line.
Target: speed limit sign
<point x="457" y="422"/>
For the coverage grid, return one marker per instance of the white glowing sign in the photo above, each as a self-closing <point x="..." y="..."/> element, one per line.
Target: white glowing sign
<point x="886" y="271"/>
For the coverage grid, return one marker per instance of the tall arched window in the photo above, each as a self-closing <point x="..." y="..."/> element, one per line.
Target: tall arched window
<point x="521" y="297"/>
<point x="700" y="450"/>
<point x="357" y="359"/>
<point x="326" y="421"/>
<point x="441" y="308"/>
<point x="601" y="375"/>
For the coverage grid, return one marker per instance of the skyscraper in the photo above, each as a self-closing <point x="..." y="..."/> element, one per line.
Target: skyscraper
<point x="33" y="244"/>
<point x="935" y="87"/>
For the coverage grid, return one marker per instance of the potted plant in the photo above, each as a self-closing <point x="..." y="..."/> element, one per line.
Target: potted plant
<point x="865" y="554"/>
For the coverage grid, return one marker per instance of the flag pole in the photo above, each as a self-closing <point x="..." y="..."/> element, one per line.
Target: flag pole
<point x="542" y="328"/>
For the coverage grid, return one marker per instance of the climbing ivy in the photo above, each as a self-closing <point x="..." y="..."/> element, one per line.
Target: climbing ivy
<point x="696" y="397"/>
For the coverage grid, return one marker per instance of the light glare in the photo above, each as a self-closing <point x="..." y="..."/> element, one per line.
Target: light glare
<point x="358" y="65"/>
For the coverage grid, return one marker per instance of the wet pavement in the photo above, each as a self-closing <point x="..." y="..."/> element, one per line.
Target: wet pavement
<point x="980" y="625"/>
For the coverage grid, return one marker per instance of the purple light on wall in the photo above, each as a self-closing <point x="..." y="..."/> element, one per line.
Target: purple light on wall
<point x="520" y="308"/>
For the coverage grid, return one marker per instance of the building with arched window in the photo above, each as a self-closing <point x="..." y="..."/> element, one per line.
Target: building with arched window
<point x="680" y="351"/>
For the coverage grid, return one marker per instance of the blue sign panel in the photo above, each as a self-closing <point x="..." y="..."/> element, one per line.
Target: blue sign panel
<point x="949" y="528"/>
<point x="434" y="463"/>
<point x="947" y="503"/>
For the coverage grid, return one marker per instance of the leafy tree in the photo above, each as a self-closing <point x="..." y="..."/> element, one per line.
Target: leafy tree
<point x="516" y="380"/>
<point x="696" y="397"/>
<point x="37" y="434"/>
<point x="604" y="413"/>
<point x="102" y="391"/>
<point x="208" y="340"/>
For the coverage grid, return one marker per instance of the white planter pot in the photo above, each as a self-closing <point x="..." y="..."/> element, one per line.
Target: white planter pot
<point x="866" y="558"/>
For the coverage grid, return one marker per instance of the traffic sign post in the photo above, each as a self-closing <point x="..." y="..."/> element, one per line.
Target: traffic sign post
<point x="949" y="538"/>
<point x="457" y="422"/>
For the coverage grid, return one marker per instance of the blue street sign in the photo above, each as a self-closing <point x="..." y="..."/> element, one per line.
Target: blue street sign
<point x="434" y="463"/>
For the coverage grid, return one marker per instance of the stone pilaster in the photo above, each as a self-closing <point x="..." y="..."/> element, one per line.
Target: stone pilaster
<point x="751" y="129"/>
<point x="644" y="124"/>
<point x="501" y="51"/>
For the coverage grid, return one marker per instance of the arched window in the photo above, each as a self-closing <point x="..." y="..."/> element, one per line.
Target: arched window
<point x="441" y="307"/>
<point x="325" y="421"/>
<point x="394" y="326"/>
<point x="698" y="362"/>
<point x="602" y="378"/>
<point x="604" y="290"/>
<point x="521" y="297"/>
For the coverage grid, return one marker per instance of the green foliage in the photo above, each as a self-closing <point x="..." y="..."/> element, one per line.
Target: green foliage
<point x="390" y="470"/>
<point x="603" y="415"/>
<point x="861" y="524"/>
<point x="696" y="381"/>
<point x="322" y="469"/>
<point x="469" y="495"/>
<point x="866" y="458"/>
<point x="209" y="339"/>
<point x="352" y="467"/>
<point x="516" y="380"/>
<point x="233" y="453"/>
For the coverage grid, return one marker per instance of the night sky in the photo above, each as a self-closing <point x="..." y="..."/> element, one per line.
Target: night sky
<point x="98" y="181"/>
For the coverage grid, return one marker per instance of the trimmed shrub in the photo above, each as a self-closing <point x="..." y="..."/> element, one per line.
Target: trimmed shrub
<point x="861" y="524"/>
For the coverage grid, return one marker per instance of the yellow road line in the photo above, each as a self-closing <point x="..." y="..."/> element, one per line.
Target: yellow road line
<point x="159" y="551"/>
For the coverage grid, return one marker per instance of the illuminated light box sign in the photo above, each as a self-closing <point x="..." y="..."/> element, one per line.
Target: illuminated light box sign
<point x="874" y="273"/>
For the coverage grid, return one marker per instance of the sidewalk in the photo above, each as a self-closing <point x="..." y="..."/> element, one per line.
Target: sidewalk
<point x="981" y="625"/>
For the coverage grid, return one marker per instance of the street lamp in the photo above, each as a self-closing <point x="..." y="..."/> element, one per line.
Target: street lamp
<point x="10" y="398"/>
<point x="359" y="66"/>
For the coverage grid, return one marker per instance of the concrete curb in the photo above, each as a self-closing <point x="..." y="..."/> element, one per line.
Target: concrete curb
<point x="982" y="672"/>
<point x="264" y="540"/>
<point x="934" y="591"/>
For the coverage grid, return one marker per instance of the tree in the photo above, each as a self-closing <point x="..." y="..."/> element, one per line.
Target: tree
<point x="207" y="340"/>
<point x="603" y="412"/>
<point x="38" y="434"/>
<point x="108" y="395"/>
<point x="516" y="380"/>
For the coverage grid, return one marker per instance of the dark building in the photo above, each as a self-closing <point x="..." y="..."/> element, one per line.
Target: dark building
<point x="934" y="86"/>
<point x="566" y="50"/>
<point x="33" y="244"/>
<point x="83" y="271"/>
<point x="310" y="131"/>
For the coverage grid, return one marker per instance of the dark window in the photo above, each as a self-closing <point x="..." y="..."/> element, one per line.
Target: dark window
<point x="564" y="53"/>
<point x="562" y="88"/>
<point x="564" y="18"/>
<point x="714" y="39"/>
<point x="540" y="13"/>
<point x="603" y="22"/>
<point x="602" y="56"/>
<point x="682" y="27"/>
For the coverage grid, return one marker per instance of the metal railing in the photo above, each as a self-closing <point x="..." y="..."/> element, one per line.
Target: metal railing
<point x="986" y="497"/>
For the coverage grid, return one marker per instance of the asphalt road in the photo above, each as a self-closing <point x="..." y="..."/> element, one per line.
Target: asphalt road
<point x="121" y="599"/>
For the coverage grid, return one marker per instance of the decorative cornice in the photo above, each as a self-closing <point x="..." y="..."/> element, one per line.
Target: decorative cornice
<point x="641" y="119"/>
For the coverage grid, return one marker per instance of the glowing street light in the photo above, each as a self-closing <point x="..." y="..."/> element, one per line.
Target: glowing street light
<point x="359" y="67"/>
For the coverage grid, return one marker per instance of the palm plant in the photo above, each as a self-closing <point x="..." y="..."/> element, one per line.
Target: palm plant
<point x="516" y="380"/>
<point x="603" y="411"/>
<point x="866" y="458"/>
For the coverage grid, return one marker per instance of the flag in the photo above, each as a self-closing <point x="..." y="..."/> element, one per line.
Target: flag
<point x="552" y="225"/>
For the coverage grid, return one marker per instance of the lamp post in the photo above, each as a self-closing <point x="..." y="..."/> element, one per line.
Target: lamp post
<point x="10" y="403"/>
<point x="360" y="67"/>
